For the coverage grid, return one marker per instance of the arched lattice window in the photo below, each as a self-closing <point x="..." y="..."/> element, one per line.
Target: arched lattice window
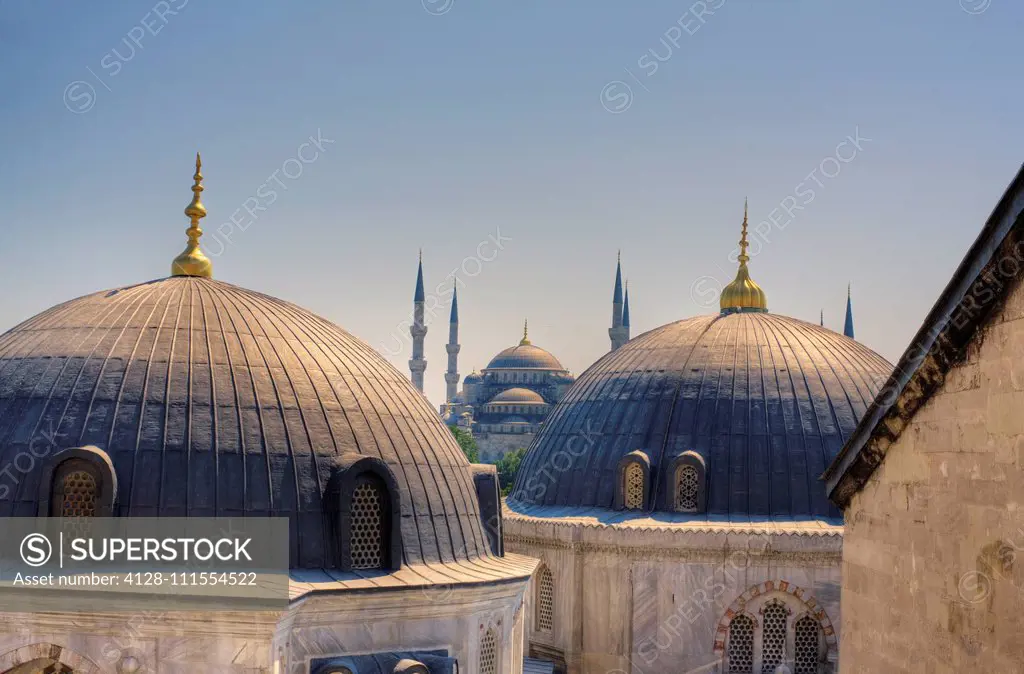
<point x="687" y="488"/>
<point x="75" y="490"/>
<point x="369" y="513"/>
<point x="741" y="645"/>
<point x="633" y="486"/>
<point x="545" y="600"/>
<point x="773" y="637"/>
<point x="807" y="645"/>
<point x="489" y="653"/>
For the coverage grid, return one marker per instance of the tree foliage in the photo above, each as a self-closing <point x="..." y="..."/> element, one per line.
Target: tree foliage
<point x="467" y="443"/>
<point x="508" y="467"/>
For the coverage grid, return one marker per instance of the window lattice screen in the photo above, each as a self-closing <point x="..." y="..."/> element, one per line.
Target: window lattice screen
<point x="79" y="494"/>
<point x="489" y="653"/>
<point x="773" y="638"/>
<point x="686" y="489"/>
<point x="367" y="525"/>
<point x="545" y="600"/>
<point x="634" y="487"/>
<point x="807" y="645"/>
<point x="741" y="645"/>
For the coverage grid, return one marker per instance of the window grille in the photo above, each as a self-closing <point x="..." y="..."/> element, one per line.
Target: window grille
<point x="773" y="638"/>
<point x="489" y="653"/>
<point x="634" y="487"/>
<point x="368" y="502"/>
<point x="78" y="494"/>
<point x="807" y="645"/>
<point x="741" y="645"/>
<point x="545" y="600"/>
<point x="687" y="487"/>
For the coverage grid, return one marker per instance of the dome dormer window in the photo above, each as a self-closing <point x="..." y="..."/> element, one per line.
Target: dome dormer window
<point x="78" y="482"/>
<point x="368" y="511"/>
<point x="362" y="499"/>
<point x="685" y="486"/>
<point x="634" y="478"/>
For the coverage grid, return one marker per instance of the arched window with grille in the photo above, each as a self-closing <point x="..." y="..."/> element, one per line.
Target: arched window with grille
<point x="687" y="489"/>
<point x="741" y="645"/>
<point x="78" y="482"/>
<point x="806" y="645"/>
<point x="633" y="486"/>
<point x="76" y="489"/>
<point x="370" y="512"/>
<point x="545" y="600"/>
<point x="773" y="635"/>
<point x="489" y="652"/>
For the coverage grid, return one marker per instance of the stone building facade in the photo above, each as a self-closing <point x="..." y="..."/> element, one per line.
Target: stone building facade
<point x="932" y="482"/>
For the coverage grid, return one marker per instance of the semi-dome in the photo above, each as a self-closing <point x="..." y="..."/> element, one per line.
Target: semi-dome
<point x="765" y="401"/>
<point x="522" y="396"/>
<point x="212" y="400"/>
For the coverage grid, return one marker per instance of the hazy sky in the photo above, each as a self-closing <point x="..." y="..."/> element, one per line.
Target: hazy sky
<point x="877" y="134"/>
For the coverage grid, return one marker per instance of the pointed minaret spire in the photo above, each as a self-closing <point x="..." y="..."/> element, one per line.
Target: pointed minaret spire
<point x="418" y="330"/>
<point x="618" y="333"/>
<point x="625" y="311"/>
<point x="848" y="328"/>
<point x="451" y="377"/>
<point x="192" y="261"/>
<point x="822" y="318"/>
<point x="419" y="296"/>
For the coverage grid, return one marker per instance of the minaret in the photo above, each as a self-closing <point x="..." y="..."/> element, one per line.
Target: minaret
<point x="418" y="330"/>
<point x="617" y="333"/>
<point x="451" y="377"/>
<point x="848" y="328"/>
<point x="625" y="311"/>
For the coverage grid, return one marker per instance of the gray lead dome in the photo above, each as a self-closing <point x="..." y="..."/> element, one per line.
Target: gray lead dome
<point x="212" y="400"/>
<point x="766" y="401"/>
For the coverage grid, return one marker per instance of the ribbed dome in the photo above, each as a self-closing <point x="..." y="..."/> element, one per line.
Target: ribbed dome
<point x="524" y="357"/>
<point x="518" y="395"/>
<point x="215" y="400"/>
<point x="767" y="401"/>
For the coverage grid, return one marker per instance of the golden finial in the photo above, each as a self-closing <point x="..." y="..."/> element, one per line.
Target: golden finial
<point x="743" y="294"/>
<point x="525" y="341"/>
<point x="192" y="261"/>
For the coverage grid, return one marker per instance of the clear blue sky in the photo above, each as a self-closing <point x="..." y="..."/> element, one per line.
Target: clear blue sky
<point x="457" y="120"/>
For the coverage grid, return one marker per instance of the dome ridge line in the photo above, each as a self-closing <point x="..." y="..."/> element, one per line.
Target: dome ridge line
<point x="124" y="377"/>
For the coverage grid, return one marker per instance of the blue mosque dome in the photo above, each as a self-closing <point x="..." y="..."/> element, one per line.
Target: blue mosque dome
<point x="523" y="357"/>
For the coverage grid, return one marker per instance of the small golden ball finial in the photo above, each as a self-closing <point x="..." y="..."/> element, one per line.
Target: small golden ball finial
<point x="192" y="261"/>
<point x="743" y="294"/>
<point x="525" y="341"/>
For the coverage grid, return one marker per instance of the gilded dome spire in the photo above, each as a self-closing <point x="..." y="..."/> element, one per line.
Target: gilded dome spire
<point x="525" y="341"/>
<point x="743" y="294"/>
<point x="192" y="261"/>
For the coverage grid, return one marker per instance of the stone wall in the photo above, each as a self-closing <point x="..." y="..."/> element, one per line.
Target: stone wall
<point x="932" y="568"/>
<point x="644" y="601"/>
